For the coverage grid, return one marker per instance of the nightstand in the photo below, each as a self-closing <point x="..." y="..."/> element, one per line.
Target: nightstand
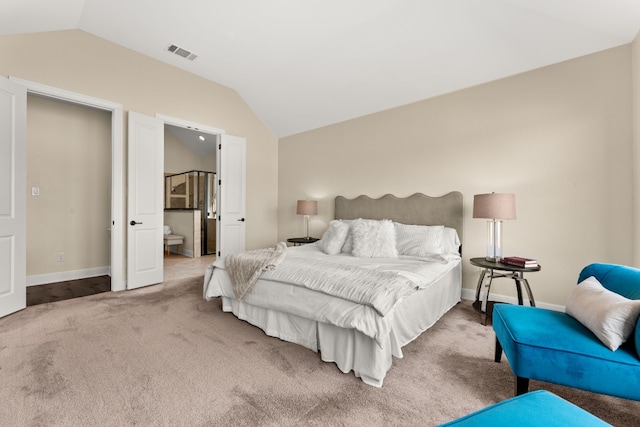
<point x="297" y="241"/>
<point x="493" y="270"/>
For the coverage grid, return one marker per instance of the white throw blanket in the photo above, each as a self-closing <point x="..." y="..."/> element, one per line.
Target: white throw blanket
<point x="381" y="290"/>
<point x="246" y="267"/>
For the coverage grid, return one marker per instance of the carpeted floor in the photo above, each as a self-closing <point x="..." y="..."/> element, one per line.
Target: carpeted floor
<point x="163" y="356"/>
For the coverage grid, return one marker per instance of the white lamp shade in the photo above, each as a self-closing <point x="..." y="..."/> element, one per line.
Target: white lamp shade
<point x="494" y="206"/>
<point x="307" y="207"/>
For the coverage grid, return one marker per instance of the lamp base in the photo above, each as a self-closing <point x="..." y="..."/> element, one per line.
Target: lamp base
<point x="306" y="224"/>
<point x="494" y="241"/>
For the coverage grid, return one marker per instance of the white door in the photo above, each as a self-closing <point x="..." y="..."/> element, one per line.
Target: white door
<point x="145" y="201"/>
<point x="13" y="202"/>
<point x="232" y="164"/>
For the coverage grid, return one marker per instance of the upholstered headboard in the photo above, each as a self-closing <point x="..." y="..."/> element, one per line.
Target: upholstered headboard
<point x="418" y="209"/>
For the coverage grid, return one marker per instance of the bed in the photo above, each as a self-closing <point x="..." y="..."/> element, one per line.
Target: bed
<point x="362" y="336"/>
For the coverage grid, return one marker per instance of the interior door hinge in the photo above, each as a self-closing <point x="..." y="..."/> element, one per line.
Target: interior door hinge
<point x="219" y="146"/>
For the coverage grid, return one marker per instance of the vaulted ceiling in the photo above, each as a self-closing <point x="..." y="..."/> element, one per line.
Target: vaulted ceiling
<point x="304" y="64"/>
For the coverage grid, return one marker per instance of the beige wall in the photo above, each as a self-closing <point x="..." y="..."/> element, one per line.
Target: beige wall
<point x="69" y="160"/>
<point x="80" y="62"/>
<point x="559" y="137"/>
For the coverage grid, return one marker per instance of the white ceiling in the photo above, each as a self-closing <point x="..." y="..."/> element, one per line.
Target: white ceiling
<point x="191" y="139"/>
<point x="303" y="64"/>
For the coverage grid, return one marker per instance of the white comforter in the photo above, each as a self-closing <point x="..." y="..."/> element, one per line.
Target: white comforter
<point x="305" y="272"/>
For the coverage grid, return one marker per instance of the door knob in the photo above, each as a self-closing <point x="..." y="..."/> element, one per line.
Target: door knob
<point x="241" y="220"/>
<point x="134" y="223"/>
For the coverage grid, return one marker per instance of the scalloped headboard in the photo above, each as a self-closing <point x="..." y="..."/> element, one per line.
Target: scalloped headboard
<point x="417" y="209"/>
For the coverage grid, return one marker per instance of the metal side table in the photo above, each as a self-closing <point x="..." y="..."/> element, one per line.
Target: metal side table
<point x="494" y="270"/>
<point x="298" y="241"/>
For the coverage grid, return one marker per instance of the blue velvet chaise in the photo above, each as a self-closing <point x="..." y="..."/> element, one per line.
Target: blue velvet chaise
<point x="553" y="346"/>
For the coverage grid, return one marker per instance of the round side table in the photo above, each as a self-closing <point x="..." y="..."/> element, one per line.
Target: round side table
<point x="494" y="270"/>
<point x="297" y="241"/>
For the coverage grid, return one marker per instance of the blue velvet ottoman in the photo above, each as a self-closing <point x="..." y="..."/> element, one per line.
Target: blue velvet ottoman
<point x="537" y="408"/>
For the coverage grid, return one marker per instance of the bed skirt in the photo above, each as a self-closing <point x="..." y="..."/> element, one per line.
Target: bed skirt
<point x="350" y="349"/>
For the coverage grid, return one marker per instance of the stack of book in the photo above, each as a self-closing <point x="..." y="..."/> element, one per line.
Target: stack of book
<point x="520" y="261"/>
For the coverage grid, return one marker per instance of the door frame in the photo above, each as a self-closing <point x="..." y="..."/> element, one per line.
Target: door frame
<point x="174" y="121"/>
<point x="117" y="166"/>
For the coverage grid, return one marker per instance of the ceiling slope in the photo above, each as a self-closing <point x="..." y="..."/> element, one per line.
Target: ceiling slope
<point x="301" y="65"/>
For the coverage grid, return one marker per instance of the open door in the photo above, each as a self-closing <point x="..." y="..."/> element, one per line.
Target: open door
<point x="145" y="201"/>
<point x="232" y="164"/>
<point x="13" y="202"/>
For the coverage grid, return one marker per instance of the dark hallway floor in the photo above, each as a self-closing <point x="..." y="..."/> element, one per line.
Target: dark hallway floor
<point x="59" y="291"/>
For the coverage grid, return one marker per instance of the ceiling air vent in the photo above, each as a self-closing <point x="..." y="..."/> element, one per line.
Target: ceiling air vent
<point x="182" y="52"/>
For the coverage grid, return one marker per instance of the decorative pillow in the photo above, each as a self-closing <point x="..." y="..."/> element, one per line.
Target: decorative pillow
<point x="610" y="316"/>
<point x="418" y="240"/>
<point x="374" y="239"/>
<point x="333" y="239"/>
<point x="347" y="248"/>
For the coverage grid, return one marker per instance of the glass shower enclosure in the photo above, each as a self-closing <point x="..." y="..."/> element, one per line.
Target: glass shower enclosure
<point x="195" y="190"/>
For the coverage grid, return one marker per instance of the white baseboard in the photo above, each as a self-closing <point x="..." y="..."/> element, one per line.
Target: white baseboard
<point x="470" y="294"/>
<point x="63" y="276"/>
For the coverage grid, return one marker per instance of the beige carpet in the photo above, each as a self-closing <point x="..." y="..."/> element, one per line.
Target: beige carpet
<point x="162" y="356"/>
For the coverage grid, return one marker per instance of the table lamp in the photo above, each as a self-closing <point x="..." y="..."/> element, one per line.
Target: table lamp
<point x="495" y="207"/>
<point x="306" y="208"/>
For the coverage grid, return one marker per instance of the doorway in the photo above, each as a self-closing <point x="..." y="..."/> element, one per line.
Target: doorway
<point x="190" y="186"/>
<point x="115" y="225"/>
<point x="190" y="207"/>
<point x="69" y="185"/>
<point x="145" y="196"/>
<point x="68" y="177"/>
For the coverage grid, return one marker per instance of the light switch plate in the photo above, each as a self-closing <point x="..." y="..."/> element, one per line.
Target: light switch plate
<point x="35" y="191"/>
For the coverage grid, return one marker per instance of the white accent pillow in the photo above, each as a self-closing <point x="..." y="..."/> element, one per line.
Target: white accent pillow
<point x="374" y="239"/>
<point x="418" y="240"/>
<point x="610" y="316"/>
<point x="347" y="248"/>
<point x="333" y="239"/>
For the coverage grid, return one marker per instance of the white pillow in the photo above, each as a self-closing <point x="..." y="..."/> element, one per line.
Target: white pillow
<point x="450" y="241"/>
<point x="418" y="240"/>
<point x="374" y="239"/>
<point x="333" y="239"/>
<point x="347" y="248"/>
<point x="610" y="316"/>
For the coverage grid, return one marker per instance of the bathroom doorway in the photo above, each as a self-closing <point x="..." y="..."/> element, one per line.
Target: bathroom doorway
<point x="190" y="203"/>
<point x="229" y="155"/>
<point x="190" y="207"/>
